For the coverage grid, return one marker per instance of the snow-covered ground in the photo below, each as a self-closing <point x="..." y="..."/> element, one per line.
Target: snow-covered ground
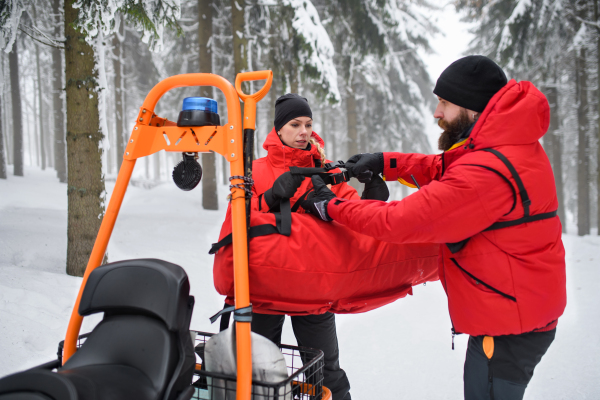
<point x="402" y="350"/>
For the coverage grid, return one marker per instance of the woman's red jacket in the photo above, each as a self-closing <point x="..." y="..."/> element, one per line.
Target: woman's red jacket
<point x="279" y="159"/>
<point x="504" y="281"/>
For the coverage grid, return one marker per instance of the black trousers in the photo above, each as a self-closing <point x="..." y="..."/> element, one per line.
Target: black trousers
<point x="507" y="373"/>
<point x="316" y="331"/>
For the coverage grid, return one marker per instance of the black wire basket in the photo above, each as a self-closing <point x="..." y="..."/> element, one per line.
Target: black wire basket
<point x="304" y="382"/>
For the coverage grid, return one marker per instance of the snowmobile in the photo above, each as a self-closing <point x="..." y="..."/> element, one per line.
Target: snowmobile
<point x="142" y="348"/>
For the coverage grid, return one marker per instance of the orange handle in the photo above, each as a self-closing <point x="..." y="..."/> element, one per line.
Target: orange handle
<point x="250" y="100"/>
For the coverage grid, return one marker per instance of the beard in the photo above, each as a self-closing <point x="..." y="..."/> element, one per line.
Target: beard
<point x="452" y="130"/>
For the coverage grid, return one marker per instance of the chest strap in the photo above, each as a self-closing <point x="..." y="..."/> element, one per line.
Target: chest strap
<point x="525" y="202"/>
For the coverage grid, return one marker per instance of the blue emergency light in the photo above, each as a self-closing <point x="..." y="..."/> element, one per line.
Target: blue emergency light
<point x="199" y="111"/>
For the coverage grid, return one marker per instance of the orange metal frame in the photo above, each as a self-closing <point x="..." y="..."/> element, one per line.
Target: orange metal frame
<point x="152" y="134"/>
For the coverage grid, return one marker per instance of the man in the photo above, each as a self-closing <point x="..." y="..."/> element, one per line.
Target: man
<point x="490" y="199"/>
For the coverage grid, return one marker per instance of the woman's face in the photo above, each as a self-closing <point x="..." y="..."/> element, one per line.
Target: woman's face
<point x="296" y="132"/>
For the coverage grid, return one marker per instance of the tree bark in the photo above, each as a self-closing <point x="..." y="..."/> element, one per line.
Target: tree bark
<point x="15" y="89"/>
<point x="3" y="174"/>
<point x="554" y="149"/>
<point x="210" y="200"/>
<point x="597" y="19"/>
<point x="352" y="130"/>
<point x="240" y="42"/>
<point x="60" y="155"/>
<point x="84" y="155"/>
<point x="583" y="181"/>
<point x="40" y="108"/>
<point x="118" y="98"/>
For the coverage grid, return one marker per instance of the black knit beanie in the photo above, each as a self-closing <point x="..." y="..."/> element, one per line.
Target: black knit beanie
<point x="470" y="82"/>
<point x="288" y="107"/>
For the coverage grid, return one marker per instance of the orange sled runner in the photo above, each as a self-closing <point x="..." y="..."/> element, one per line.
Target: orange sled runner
<point x="142" y="349"/>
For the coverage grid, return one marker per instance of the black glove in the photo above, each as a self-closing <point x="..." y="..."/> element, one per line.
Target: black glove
<point x="317" y="200"/>
<point x="284" y="187"/>
<point x="360" y="164"/>
<point x="376" y="189"/>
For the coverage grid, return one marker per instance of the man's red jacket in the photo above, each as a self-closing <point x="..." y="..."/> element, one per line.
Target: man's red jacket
<point x="504" y="281"/>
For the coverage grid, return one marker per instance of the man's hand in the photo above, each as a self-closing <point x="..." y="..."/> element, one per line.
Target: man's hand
<point x="284" y="187"/>
<point x="376" y="189"/>
<point x="317" y="200"/>
<point x="360" y="165"/>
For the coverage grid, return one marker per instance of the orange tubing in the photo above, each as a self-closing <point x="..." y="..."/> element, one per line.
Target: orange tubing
<point x="108" y="223"/>
<point x="250" y="100"/>
<point x="242" y="294"/>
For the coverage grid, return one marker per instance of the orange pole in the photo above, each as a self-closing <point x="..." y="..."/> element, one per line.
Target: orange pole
<point x="240" y="249"/>
<point x="250" y="100"/>
<point x="106" y="228"/>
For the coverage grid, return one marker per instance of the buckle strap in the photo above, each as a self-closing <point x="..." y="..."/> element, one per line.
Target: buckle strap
<point x="243" y="314"/>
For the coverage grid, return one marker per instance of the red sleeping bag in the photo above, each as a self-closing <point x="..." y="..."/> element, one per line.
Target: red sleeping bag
<point x="323" y="266"/>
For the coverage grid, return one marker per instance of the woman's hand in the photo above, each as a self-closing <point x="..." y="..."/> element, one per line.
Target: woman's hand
<point x="317" y="200"/>
<point x="284" y="187"/>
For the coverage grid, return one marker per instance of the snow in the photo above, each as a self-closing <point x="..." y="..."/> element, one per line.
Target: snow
<point x="400" y="350"/>
<point x="307" y="25"/>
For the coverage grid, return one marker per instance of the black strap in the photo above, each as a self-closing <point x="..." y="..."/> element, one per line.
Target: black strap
<point x="505" y="179"/>
<point x="524" y="195"/>
<point x="525" y="201"/>
<point x="328" y="178"/>
<point x="300" y="200"/>
<point x="243" y="314"/>
<point x="283" y="226"/>
<point x="524" y="220"/>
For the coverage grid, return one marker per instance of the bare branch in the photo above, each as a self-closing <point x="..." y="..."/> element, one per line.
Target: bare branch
<point x="38" y="40"/>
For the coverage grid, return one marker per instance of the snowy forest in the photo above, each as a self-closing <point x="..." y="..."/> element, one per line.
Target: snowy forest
<point x="74" y="73"/>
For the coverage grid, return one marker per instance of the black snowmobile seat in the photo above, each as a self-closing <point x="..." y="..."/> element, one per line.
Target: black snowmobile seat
<point x="142" y="348"/>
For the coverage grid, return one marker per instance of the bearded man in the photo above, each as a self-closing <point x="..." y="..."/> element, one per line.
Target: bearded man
<point x="490" y="200"/>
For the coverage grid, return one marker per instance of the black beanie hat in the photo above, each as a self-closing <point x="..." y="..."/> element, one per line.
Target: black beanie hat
<point x="288" y="107"/>
<point x="470" y="82"/>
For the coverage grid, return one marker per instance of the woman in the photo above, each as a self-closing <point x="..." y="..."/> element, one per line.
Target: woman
<point x="292" y="142"/>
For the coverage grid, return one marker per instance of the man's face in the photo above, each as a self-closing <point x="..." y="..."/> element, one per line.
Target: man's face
<point x="454" y="120"/>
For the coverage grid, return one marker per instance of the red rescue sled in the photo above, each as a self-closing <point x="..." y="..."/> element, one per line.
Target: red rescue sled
<point x="323" y="266"/>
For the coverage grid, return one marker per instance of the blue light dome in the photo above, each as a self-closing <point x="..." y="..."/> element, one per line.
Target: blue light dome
<point x="200" y="103"/>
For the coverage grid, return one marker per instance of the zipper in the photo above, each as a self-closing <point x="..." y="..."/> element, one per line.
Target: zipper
<point x="479" y="281"/>
<point x="454" y="333"/>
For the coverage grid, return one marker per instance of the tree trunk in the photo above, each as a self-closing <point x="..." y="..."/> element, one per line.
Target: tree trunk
<point x="118" y="98"/>
<point x="210" y="200"/>
<point x="240" y="42"/>
<point x="554" y="150"/>
<point x="351" y="123"/>
<point x="40" y="108"/>
<point x="597" y="19"/>
<point x="84" y="155"/>
<point x="60" y="155"/>
<point x="15" y="89"/>
<point x="3" y="174"/>
<point x="583" y="180"/>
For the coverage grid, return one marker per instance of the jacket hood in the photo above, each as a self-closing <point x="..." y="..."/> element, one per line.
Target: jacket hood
<point x="518" y="114"/>
<point x="284" y="156"/>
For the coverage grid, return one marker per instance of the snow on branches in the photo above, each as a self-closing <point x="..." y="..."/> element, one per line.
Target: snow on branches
<point x="316" y="53"/>
<point x="149" y="17"/>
